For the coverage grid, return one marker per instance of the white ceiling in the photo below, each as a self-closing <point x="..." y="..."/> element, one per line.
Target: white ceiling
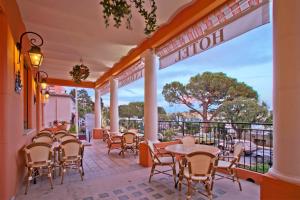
<point x="75" y="29"/>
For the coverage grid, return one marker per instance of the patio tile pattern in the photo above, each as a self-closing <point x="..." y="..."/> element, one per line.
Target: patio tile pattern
<point x="112" y="177"/>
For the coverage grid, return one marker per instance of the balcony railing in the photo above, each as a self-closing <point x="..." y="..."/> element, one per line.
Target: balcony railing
<point x="257" y="138"/>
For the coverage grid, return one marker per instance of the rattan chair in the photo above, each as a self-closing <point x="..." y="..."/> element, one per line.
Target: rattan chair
<point x="188" y="140"/>
<point x="128" y="142"/>
<point x="59" y="134"/>
<point x="230" y="163"/>
<point x="38" y="159"/>
<point x="161" y="161"/>
<point x="67" y="137"/>
<point x="113" y="142"/>
<point x="200" y="168"/>
<point x="72" y="152"/>
<point x="44" y="138"/>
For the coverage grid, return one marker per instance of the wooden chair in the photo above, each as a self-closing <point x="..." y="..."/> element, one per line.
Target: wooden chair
<point x="230" y="163"/>
<point x="38" y="158"/>
<point x="161" y="161"/>
<point x="45" y="133"/>
<point x="129" y="142"/>
<point x="72" y="152"/>
<point x="113" y="142"/>
<point x="200" y="168"/>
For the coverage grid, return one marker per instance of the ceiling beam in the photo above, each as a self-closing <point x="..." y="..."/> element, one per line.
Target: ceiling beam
<point x="179" y="23"/>
<point x="70" y="83"/>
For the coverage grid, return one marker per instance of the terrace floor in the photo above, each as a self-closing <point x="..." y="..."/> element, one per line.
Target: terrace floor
<point x="116" y="178"/>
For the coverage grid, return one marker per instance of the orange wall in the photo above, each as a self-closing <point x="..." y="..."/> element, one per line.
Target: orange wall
<point x="12" y="135"/>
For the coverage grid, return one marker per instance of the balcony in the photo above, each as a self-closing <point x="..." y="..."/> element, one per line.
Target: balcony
<point x="114" y="177"/>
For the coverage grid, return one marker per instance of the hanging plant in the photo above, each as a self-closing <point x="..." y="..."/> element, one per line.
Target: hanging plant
<point x="79" y="73"/>
<point x="121" y="9"/>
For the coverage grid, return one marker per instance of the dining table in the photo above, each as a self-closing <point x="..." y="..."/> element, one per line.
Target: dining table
<point x="183" y="150"/>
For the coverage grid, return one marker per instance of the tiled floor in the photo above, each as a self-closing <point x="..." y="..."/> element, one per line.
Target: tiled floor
<point x="115" y="178"/>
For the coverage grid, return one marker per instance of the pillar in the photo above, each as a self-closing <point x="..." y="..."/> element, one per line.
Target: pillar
<point x="114" y="110"/>
<point x="39" y="110"/>
<point x="76" y="113"/>
<point x="150" y="97"/>
<point x="97" y="109"/>
<point x="286" y="94"/>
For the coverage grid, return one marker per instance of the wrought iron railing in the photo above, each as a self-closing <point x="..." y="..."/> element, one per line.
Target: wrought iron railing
<point x="256" y="137"/>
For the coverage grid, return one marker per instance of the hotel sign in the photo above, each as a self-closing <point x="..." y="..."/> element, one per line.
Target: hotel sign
<point x="241" y="16"/>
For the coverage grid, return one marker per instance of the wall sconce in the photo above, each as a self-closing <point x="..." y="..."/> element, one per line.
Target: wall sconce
<point x="35" y="54"/>
<point x="41" y="78"/>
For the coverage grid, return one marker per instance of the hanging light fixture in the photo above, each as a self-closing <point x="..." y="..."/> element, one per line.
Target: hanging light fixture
<point x="35" y="53"/>
<point x="41" y="78"/>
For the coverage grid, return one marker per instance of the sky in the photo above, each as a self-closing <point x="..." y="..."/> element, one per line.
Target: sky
<point x="248" y="58"/>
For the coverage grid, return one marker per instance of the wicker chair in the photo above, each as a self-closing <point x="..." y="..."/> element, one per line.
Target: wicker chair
<point x="72" y="152"/>
<point x="161" y="161"/>
<point x="188" y="140"/>
<point x="59" y="134"/>
<point x="44" y="138"/>
<point x="113" y="142"/>
<point x="129" y="142"/>
<point x="38" y="159"/>
<point x="230" y="163"/>
<point x="67" y="137"/>
<point x="200" y="168"/>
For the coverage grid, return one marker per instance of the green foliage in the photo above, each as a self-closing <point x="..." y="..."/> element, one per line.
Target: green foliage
<point x="79" y="73"/>
<point x="136" y="109"/>
<point x="72" y="129"/>
<point x="168" y="135"/>
<point x="261" y="168"/>
<point x="121" y="9"/>
<point x="192" y="128"/>
<point x="205" y="93"/>
<point x="85" y="103"/>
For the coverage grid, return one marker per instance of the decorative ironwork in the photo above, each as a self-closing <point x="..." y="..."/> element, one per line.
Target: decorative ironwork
<point x="36" y="43"/>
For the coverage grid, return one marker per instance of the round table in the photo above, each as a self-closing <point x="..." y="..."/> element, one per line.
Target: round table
<point x="181" y="149"/>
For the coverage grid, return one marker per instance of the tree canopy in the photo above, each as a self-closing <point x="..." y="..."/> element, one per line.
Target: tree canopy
<point x="136" y="109"/>
<point x="85" y="103"/>
<point x="206" y="93"/>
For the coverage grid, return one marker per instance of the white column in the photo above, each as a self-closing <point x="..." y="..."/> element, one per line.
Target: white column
<point x="114" y="110"/>
<point x="286" y="41"/>
<point x="76" y="112"/>
<point x="97" y="109"/>
<point x="150" y="97"/>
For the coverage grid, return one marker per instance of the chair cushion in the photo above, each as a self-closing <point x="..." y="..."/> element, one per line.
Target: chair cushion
<point x="195" y="178"/>
<point x="223" y="164"/>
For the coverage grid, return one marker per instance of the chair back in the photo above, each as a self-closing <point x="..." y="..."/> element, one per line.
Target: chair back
<point x="45" y="131"/>
<point x="188" y="140"/>
<point x="67" y="137"/>
<point x="38" y="152"/>
<point x="71" y="148"/>
<point x="152" y="151"/>
<point x="59" y="134"/>
<point x="133" y="131"/>
<point x="129" y="138"/>
<point x="200" y="163"/>
<point x="49" y="134"/>
<point x="238" y="150"/>
<point x="43" y="138"/>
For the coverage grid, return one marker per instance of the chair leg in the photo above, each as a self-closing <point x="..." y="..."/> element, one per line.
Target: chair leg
<point x="80" y="170"/>
<point x="152" y="172"/>
<point x="174" y="173"/>
<point x="237" y="179"/>
<point x="28" y="178"/>
<point x="62" y="173"/>
<point x="208" y="190"/>
<point x="50" y="176"/>
<point x="189" y="192"/>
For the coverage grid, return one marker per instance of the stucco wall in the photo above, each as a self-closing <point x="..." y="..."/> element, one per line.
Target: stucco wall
<point x="12" y="134"/>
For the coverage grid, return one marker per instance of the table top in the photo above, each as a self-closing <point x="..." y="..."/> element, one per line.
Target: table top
<point x="184" y="150"/>
<point x="121" y="134"/>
